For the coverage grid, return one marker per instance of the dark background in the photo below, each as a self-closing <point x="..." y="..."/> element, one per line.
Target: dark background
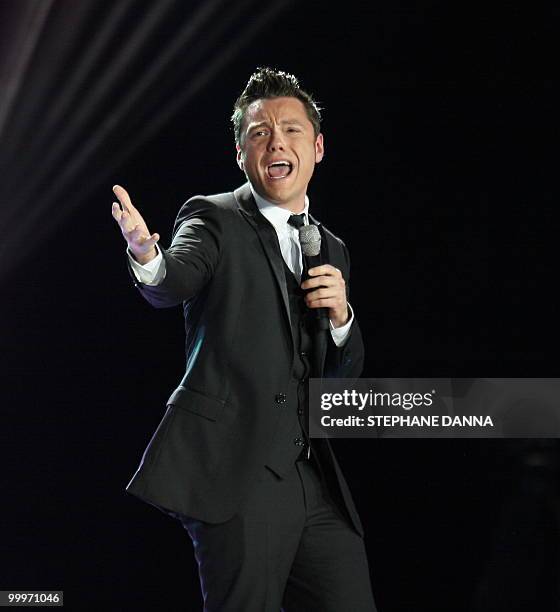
<point x="440" y="176"/>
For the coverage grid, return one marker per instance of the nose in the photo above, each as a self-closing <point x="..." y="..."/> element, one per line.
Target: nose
<point x="275" y="142"/>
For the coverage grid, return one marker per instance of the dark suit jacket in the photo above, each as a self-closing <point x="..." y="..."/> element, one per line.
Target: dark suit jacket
<point x="225" y="266"/>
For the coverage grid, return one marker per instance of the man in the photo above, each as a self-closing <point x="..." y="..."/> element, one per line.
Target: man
<point x="271" y="518"/>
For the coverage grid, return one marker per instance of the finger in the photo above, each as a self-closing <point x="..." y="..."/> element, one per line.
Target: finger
<point x="126" y="222"/>
<point x="326" y="292"/>
<point x="324" y="269"/>
<point x="324" y="303"/>
<point x="138" y="237"/>
<point x="151" y="241"/>
<point x="320" y="281"/>
<point x="124" y="198"/>
<point x="116" y="212"/>
<point x="324" y="281"/>
<point x="143" y="238"/>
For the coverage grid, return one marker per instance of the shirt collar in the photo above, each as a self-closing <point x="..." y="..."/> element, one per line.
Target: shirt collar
<point x="275" y="214"/>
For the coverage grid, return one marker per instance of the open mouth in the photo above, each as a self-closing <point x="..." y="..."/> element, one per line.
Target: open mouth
<point x="279" y="169"/>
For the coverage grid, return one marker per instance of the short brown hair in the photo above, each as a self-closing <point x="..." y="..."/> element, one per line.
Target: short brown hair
<point x="270" y="83"/>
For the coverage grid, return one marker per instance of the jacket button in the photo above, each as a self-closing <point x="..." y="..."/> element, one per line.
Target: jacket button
<point x="302" y="354"/>
<point x="280" y="398"/>
<point x="300" y="411"/>
<point x="298" y="442"/>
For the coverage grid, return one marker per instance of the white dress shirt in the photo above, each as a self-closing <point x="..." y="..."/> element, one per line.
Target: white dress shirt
<point x="153" y="272"/>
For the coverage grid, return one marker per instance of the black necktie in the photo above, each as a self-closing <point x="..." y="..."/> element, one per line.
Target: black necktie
<point x="297" y="220"/>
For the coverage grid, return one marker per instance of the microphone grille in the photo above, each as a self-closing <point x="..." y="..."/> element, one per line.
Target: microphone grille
<point x="310" y="240"/>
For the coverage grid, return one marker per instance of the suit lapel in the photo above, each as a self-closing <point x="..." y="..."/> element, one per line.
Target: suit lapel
<point x="269" y="240"/>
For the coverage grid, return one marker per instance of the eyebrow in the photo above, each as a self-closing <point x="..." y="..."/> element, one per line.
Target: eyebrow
<point x="283" y="122"/>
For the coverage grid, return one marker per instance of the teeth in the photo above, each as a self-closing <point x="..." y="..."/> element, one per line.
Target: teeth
<point x="281" y="164"/>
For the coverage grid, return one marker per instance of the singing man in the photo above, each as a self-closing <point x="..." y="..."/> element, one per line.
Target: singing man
<point x="271" y="517"/>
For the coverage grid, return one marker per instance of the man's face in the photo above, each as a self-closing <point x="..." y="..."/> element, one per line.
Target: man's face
<point x="278" y="130"/>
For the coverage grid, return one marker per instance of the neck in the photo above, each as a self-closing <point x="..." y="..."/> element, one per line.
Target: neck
<point x="296" y="205"/>
<point x="293" y="207"/>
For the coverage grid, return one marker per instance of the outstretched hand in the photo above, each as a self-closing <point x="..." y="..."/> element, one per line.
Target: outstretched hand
<point x="133" y="227"/>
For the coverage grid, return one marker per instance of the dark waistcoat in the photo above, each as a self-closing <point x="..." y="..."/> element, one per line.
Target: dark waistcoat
<point x="291" y="440"/>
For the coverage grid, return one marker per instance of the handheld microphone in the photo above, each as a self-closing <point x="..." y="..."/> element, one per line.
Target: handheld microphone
<point x="310" y="241"/>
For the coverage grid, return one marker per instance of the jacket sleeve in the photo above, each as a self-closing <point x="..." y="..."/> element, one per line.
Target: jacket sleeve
<point x="346" y="361"/>
<point x="191" y="259"/>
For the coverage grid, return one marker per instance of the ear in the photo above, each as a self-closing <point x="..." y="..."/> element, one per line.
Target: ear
<point x="319" y="148"/>
<point x="239" y="157"/>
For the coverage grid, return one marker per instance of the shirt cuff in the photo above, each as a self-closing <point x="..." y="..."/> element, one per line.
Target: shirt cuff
<point x="151" y="273"/>
<point x="340" y="334"/>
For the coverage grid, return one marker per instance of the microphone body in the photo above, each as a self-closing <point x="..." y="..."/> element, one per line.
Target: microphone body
<point x="310" y="241"/>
